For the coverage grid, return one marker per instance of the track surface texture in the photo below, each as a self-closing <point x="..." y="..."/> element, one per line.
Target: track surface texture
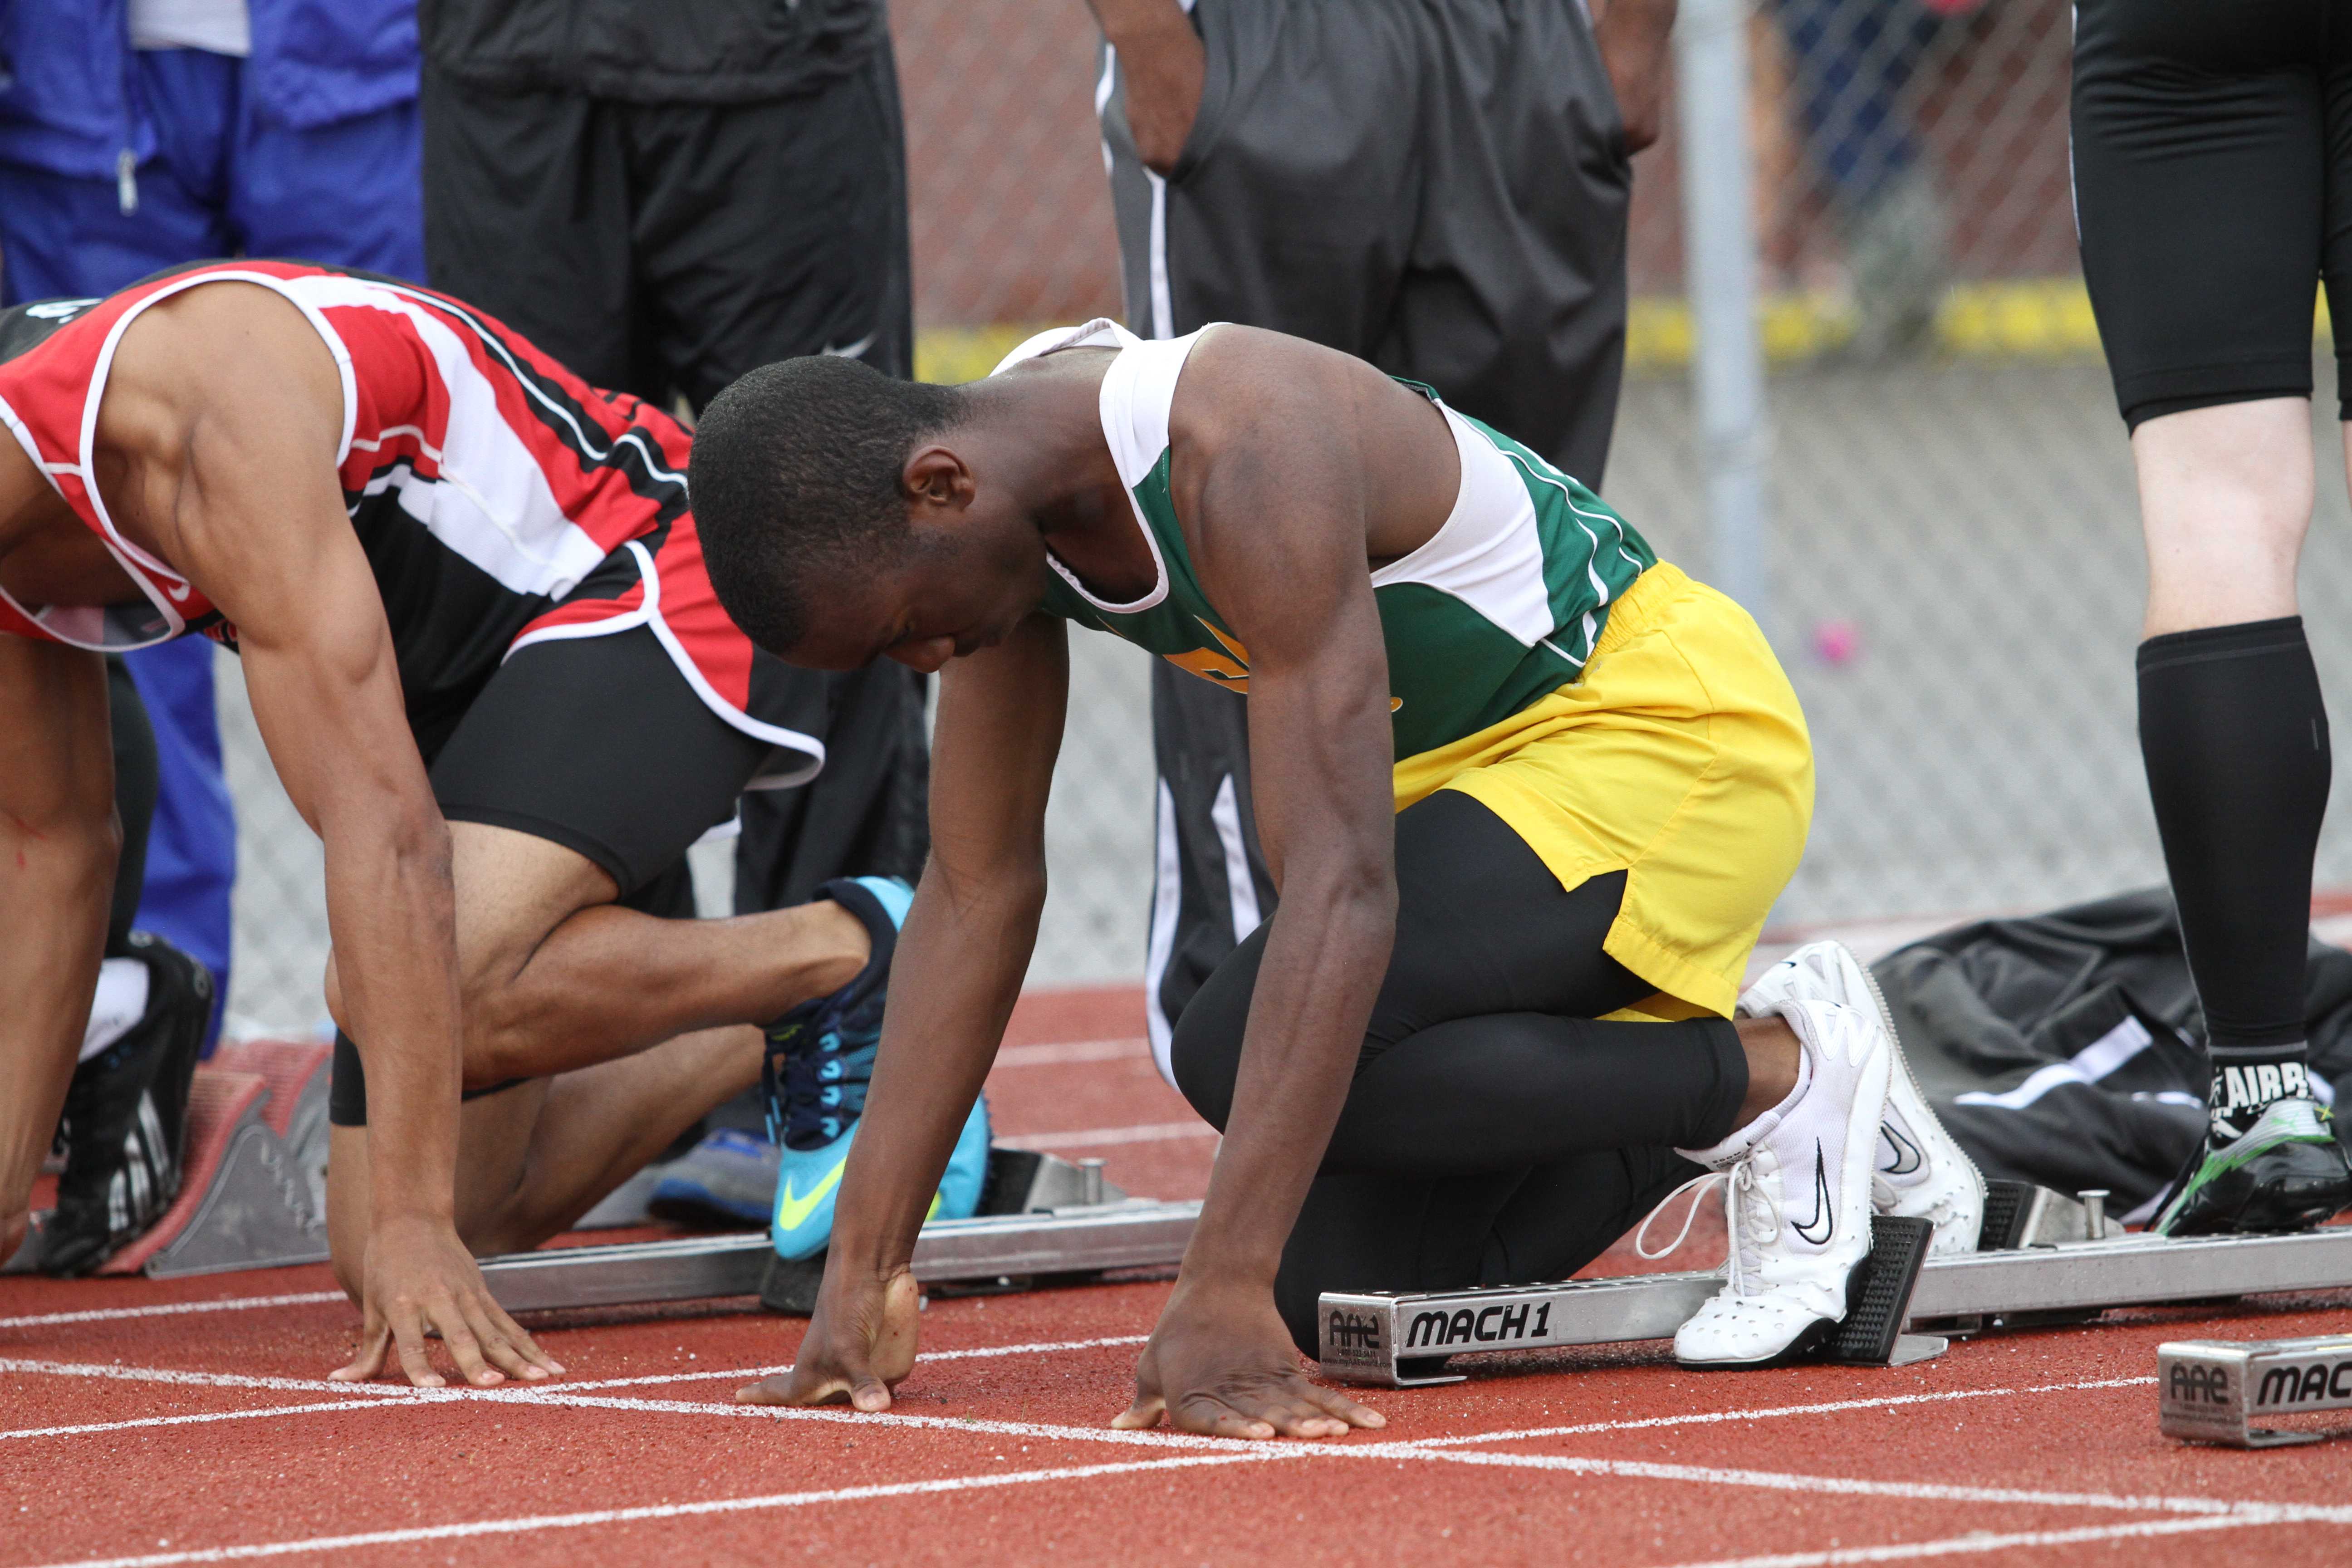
<point x="190" y="1421"/>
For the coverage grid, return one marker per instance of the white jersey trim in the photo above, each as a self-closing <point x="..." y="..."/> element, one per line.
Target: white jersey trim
<point x="1137" y="391"/>
<point x="145" y="570"/>
<point x="89" y="620"/>
<point x="648" y="613"/>
<point x="1488" y="553"/>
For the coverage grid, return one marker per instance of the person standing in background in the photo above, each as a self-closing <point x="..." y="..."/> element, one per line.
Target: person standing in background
<point x="1438" y="186"/>
<point x="663" y="198"/>
<point x="2212" y="182"/>
<point x="136" y="135"/>
<point x="1853" y="63"/>
<point x="139" y="135"/>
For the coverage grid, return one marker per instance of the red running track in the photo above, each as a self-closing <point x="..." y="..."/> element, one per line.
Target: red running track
<point x="135" y="1432"/>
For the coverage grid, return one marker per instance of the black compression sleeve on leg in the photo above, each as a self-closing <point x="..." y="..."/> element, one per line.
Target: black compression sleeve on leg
<point x="2235" y="733"/>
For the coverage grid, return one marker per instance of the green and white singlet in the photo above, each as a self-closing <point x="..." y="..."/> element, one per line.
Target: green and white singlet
<point x="1503" y="605"/>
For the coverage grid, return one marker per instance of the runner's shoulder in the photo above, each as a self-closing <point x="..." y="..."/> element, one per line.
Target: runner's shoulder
<point x="1243" y="384"/>
<point x="228" y="350"/>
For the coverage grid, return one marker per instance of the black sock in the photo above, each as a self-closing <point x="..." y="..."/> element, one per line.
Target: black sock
<point x="2235" y="733"/>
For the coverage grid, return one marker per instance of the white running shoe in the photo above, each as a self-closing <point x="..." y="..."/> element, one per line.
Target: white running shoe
<point x="1799" y="1206"/>
<point x="1921" y="1171"/>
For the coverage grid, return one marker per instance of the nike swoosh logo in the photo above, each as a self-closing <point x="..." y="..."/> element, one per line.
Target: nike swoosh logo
<point x="853" y="350"/>
<point x="792" y="1211"/>
<point x="179" y="592"/>
<point x="1822" y="1220"/>
<point x="1907" y="1157"/>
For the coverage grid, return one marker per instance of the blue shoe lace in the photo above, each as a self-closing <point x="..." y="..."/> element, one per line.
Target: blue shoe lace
<point x="817" y="1065"/>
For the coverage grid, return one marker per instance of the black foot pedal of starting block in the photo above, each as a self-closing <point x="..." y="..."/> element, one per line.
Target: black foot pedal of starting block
<point x="1878" y="1299"/>
<point x="2007" y="1207"/>
<point x="788" y="1288"/>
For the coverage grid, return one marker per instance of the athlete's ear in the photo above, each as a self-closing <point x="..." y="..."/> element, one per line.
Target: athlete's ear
<point x="936" y="479"/>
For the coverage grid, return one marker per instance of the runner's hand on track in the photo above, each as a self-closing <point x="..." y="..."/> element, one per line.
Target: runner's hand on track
<point x="1220" y="1361"/>
<point x="419" y="1278"/>
<point x="863" y="1359"/>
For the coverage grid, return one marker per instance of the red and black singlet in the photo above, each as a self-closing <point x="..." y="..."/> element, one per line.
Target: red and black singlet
<point x="501" y="500"/>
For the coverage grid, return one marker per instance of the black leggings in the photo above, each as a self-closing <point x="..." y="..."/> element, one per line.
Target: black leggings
<point x="1495" y="1132"/>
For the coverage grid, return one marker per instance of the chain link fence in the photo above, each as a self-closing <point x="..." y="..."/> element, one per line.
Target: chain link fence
<point x="1955" y="569"/>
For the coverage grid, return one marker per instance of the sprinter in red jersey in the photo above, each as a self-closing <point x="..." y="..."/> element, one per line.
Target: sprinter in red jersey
<point x="492" y="675"/>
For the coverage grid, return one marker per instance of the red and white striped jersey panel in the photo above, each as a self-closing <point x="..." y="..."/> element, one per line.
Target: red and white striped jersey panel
<point x="509" y="458"/>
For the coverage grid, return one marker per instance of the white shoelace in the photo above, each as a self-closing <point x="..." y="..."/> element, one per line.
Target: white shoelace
<point x="1749" y="1216"/>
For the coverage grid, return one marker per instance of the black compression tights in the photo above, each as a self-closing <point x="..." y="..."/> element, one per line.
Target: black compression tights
<point x="1495" y="1132"/>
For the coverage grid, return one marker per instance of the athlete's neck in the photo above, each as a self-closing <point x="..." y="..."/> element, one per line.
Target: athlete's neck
<point x="1040" y="427"/>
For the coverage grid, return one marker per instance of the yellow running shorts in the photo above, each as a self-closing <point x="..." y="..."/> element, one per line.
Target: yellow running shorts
<point x="1681" y="759"/>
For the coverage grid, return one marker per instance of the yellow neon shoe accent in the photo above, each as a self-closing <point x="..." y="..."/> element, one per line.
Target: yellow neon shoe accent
<point x="793" y="1212"/>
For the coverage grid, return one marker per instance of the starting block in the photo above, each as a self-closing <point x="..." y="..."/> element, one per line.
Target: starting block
<point x="2044" y="1258"/>
<point x="1041" y="1218"/>
<point x="2210" y="1391"/>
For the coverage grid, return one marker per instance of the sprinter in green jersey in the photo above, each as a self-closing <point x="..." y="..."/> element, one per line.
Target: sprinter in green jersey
<point x="1527" y="793"/>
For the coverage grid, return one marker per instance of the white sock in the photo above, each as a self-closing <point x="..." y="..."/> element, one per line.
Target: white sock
<point x="120" y="1002"/>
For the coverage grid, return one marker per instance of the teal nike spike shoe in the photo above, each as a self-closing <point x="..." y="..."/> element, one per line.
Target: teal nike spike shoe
<point x="803" y="1221"/>
<point x="2286" y="1173"/>
<point x="819" y="1059"/>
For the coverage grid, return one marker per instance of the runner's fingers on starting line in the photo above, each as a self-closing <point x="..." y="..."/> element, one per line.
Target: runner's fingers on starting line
<point x="861" y="1391"/>
<point x="1265" y="1416"/>
<point x="1338" y="1407"/>
<point x="1299" y="1409"/>
<point x="407" y="1323"/>
<point x="508" y="1344"/>
<point x="488" y="1345"/>
<point x="376" y="1338"/>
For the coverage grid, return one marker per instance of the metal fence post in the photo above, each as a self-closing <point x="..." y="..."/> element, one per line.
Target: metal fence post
<point x="1728" y="369"/>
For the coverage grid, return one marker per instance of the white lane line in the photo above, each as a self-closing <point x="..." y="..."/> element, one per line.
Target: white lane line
<point x="1074" y="1051"/>
<point x="261" y="1413"/>
<point x="210" y="1379"/>
<point x="660" y="1510"/>
<point x="396" y="1393"/>
<point x="1041" y="1347"/>
<point x="2215" y="1511"/>
<point x="1104" y="1137"/>
<point x="173" y="1308"/>
<point x="1420" y="1450"/>
<point x="1984" y="1540"/>
<point x="1773" y="1411"/>
<point x="1849" y="1486"/>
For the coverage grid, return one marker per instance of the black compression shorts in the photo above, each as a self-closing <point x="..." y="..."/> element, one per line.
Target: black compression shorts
<point x="598" y="744"/>
<point x="2213" y="190"/>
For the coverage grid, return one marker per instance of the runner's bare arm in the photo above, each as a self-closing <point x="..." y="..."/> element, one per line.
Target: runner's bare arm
<point x="58" y="844"/>
<point x="958" y="970"/>
<point x="238" y="406"/>
<point x="1270" y="470"/>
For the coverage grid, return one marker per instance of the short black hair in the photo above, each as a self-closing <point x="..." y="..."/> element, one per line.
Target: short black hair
<point x="796" y="465"/>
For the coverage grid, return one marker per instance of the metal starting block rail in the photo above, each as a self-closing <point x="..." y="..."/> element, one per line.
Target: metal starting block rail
<point x="2050" y="1258"/>
<point x="1040" y="1216"/>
